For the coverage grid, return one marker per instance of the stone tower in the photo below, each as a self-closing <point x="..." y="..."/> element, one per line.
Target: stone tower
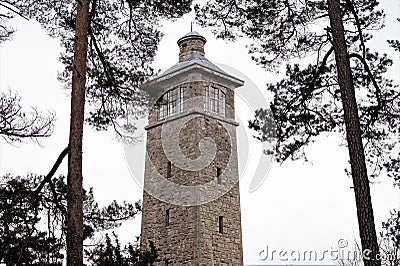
<point x="191" y="201"/>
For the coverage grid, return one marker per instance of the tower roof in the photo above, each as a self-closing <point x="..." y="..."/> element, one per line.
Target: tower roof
<point x="191" y="59"/>
<point x="194" y="59"/>
<point x="192" y="35"/>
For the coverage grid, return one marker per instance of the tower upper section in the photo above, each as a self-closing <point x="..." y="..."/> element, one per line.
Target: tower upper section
<point x="194" y="85"/>
<point x="190" y="44"/>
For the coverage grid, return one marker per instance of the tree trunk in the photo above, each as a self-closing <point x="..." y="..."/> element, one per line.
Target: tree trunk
<point x="75" y="192"/>
<point x="365" y="214"/>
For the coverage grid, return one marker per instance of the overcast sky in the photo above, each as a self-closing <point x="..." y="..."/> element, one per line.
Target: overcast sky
<point x="300" y="206"/>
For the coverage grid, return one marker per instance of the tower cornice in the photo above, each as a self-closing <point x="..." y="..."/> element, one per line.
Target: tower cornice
<point x="193" y="113"/>
<point x="189" y="73"/>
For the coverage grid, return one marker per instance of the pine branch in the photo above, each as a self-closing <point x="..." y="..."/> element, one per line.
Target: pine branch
<point x="358" y="24"/>
<point x="372" y="78"/>
<point x="14" y="11"/>
<point x="53" y="170"/>
<point x="319" y="71"/>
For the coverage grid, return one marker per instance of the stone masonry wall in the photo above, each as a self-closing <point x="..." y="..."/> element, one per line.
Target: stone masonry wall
<point x="192" y="235"/>
<point x="188" y="47"/>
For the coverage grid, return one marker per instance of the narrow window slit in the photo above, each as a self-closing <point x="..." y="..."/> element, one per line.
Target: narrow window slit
<point x="219" y="172"/>
<point x="169" y="167"/>
<point x="166" y="217"/>
<point x="221" y="224"/>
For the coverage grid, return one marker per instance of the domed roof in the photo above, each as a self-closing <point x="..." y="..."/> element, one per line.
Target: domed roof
<point x="194" y="59"/>
<point x="192" y="34"/>
<point x="191" y="58"/>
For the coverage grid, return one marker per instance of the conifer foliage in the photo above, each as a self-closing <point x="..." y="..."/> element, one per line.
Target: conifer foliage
<point x="123" y="36"/>
<point x="33" y="220"/>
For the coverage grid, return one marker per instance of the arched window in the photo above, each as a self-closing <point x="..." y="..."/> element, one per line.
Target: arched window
<point x="214" y="100"/>
<point x="171" y="103"/>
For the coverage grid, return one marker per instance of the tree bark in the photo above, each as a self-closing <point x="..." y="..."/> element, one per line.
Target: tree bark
<point x="74" y="182"/>
<point x="366" y="223"/>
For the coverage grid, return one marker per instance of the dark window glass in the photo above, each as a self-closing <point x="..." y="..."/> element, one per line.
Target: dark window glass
<point x="171" y="103"/>
<point x="214" y="100"/>
<point x="219" y="172"/>
<point x="169" y="168"/>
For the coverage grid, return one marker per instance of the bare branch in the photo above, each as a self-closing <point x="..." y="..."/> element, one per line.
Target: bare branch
<point x="16" y="124"/>
<point x="53" y="170"/>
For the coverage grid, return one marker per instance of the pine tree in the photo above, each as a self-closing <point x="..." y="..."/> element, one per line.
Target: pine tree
<point x="362" y="193"/>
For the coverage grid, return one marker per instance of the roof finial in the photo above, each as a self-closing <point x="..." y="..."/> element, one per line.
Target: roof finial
<point x="191" y="26"/>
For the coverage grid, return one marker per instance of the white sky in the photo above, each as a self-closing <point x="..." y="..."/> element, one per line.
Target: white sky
<point x="300" y="206"/>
